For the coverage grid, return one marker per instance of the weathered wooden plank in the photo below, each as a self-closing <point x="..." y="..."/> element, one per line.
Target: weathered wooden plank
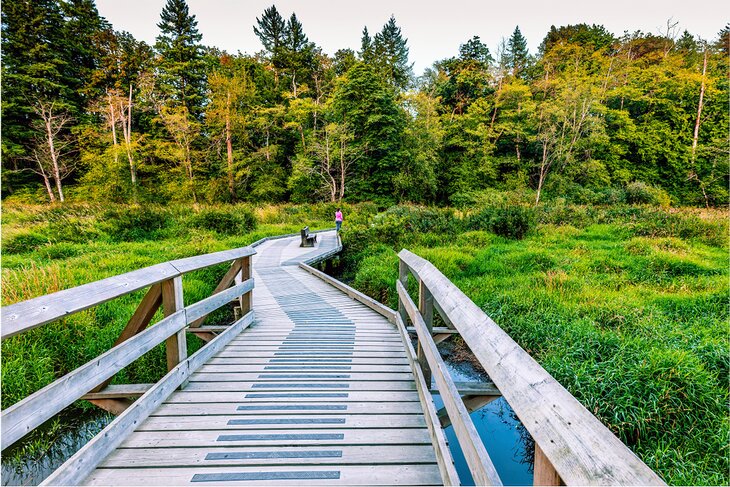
<point x="270" y="456"/>
<point x="318" y="354"/>
<point x="309" y="385"/>
<point x="202" y="261"/>
<point x="176" y="348"/>
<point x="287" y="396"/>
<point x="480" y="465"/>
<point x="275" y="475"/>
<point x="281" y="422"/>
<point x="291" y="408"/>
<point x="242" y="359"/>
<point x="437" y="330"/>
<point x="119" y="390"/>
<point x="24" y="416"/>
<point x="19" y="317"/>
<point x="370" y="370"/>
<point x="212" y="303"/>
<point x="445" y="461"/>
<point x="301" y="375"/>
<point x="582" y="450"/>
<point x="317" y="347"/>
<point x="265" y="437"/>
<point x="353" y="293"/>
<point x="84" y="461"/>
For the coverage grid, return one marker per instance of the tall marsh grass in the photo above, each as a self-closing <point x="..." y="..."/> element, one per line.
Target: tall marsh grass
<point x="627" y="307"/>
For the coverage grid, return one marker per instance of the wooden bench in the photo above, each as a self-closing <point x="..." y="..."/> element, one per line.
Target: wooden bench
<point x="308" y="239"/>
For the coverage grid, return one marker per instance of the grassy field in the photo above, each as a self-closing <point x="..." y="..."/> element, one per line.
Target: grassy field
<point x="625" y="306"/>
<point x="630" y="315"/>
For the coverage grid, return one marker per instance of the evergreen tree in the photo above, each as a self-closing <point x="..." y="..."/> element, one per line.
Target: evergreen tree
<point x="80" y="30"/>
<point x="593" y="36"/>
<point x="390" y="55"/>
<point x="181" y="66"/>
<point x="271" y="30"/>
<point x="366" y="46"/>
<point x="30" y="63"/>
<point x="475" y="50"/>
<point x="517" y="55"/>
<point x="364" y="102"/>
<point x="296" y="39"/>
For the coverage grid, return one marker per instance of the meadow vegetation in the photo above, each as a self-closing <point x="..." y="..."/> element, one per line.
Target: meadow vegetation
<point x="625" y="305"/>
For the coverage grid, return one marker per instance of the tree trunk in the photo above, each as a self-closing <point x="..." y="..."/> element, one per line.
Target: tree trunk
<point x="54" y="158"/>
<point x="229" y="147"/>
<point x="343" y="169"/>
<point x="47" y="183"/>
<point x="128" y="142"/>
<point x="113" y="123"/>
<point x="696" y="135"/>
<point x="544" y="167"/>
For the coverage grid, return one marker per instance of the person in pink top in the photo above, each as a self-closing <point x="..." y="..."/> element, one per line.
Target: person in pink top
<point x="338" y="219"/>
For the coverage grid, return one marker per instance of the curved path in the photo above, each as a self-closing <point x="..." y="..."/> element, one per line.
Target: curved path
<point x="317" y="391"/>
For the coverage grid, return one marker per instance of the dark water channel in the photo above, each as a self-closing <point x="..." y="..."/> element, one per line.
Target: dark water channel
<point x="507" y="442"/>
<point x="30" y="465"/>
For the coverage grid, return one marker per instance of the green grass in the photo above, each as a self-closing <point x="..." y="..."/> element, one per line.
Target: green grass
<point x="634" y="323"/>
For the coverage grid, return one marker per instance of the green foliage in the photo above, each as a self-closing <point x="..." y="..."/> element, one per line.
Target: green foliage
<point x="508" y="221"/>
<point x="22" y="242"/>
<point x="225" y="222"/>
<point x="638" y="193"/>
<point x="134" y="223"/>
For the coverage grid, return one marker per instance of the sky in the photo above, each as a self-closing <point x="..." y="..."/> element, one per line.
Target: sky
<point x="434" y="29"/>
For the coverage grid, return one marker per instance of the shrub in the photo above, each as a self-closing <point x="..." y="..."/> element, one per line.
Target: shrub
<point x="23" y="242"/>
<point x="509" y="221"/>
<point x="226" y="222"/>
<point x="135" y="223"/>
<point x="641" y="193"/>
<point x="61" y="250"/>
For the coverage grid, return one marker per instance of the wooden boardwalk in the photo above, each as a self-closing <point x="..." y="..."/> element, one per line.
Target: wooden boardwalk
<point x="317" y="391"/>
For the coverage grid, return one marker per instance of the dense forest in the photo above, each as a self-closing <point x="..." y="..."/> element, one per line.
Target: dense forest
<point x="90" y="113"/>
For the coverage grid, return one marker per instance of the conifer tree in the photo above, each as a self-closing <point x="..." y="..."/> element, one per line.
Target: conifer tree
<point x="517" y="54"/>
<point x="271" y="30"/>
<point x="366" y="46"/>
<point x="390" y="55"/>
<point x="181" y="65"/>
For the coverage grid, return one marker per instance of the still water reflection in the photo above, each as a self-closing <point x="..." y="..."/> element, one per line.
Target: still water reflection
<point x="506" y="441"/>
<point x="33" y="468"/>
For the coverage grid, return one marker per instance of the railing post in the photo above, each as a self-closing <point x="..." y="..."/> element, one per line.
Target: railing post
<point x="403" y="278"/>
<point x="425" y="308"/>
<point x="545" y="473"/>
<point x="172" y="301"/>
<point x="246" y="300"/>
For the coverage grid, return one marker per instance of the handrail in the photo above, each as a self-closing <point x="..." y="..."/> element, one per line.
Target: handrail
<point x="480" y="465"/>
<point x="572" y="445"/>
<point x="26" y="315"/>
<point x="165" y="290"/>
<point x="24" y="416"/>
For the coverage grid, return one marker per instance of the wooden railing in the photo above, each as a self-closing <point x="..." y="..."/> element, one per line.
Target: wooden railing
<point x="572" y="447"/>
<point x="165" y="290"/>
